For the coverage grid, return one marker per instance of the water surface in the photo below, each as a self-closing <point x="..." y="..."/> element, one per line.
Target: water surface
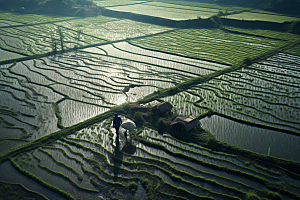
<point x="259" y="140"/>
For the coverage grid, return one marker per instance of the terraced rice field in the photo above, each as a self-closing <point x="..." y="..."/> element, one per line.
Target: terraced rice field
<point x="257" y="16"/>
<point x="213" y="45"/>
<point x="57" y="138"/>
<point x="91" y="81"/>
<point x="264" y="93"/>
<point x="38" y="38"/>
<point x="13" y="18"/>
<point x="107" y="3"/>
<point x="88" y="164"/>
<point x="196" y="4"/>
<point x="5" y="55"/>
<point x="167" y="11"/>
<point x="175" y="10"/>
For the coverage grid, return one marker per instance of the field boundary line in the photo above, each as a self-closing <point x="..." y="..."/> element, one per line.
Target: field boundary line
<point x="38" y="56"/>
<point x="36" y="24"/>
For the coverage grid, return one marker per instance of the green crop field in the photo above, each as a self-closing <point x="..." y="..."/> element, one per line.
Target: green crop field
<point x="105" y="3"/>
<point x="62" y="79"/>
<point x="253" y="16"/>
<point x="166" y="12"/>
<point x="199" y="5"/>
<point x="213" y="44"/>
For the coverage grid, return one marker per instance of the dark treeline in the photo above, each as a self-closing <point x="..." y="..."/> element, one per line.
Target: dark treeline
<point x="61" y="7"/>
<point x="280" y="6"/>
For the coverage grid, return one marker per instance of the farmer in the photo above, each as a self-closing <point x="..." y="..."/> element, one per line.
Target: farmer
<point x="117" y="123"/>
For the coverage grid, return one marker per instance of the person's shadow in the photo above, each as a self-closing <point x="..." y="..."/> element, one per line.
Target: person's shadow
<point x="118" y="157"/>
<point x="129" y="148"/>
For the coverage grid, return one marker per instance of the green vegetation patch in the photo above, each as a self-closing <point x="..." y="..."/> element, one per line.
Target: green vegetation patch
<point x="31" y="18"/>
<point x="252" y="16"/>
<point x="105" y="3"/>
<point x="210" y="44"/>
<point x="196" y="4"/>
<point x="295" y="50"/>
<point x="166" y="12"/>
<point x="149" y="188"/>
<point x="132" y="186"/>
<point x="278" y="35"/>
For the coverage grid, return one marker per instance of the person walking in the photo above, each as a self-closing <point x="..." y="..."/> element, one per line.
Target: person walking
<point x="117" y="121"/>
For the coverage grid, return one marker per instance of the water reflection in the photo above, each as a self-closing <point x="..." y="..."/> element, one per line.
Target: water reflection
<point x="252" y="138"/>
<point x="121" y="99"/>
<point x="7" y="55"/>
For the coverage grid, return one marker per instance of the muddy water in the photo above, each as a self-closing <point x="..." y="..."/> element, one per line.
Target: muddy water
<point x="254" y="139"/>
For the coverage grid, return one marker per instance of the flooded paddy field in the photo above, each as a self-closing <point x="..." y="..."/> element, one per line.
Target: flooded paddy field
<point x="206" y="44"/>
<point x="56" y="109"/>
<point x="6" y="55"/>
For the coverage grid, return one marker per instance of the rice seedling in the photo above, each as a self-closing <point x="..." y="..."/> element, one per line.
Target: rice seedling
<point x="234" y="47"/>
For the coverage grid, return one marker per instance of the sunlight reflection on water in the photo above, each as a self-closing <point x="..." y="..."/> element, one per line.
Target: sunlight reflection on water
<point x="121" y="99"/>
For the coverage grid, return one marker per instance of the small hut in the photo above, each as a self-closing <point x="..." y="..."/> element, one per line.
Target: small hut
<point x="184" y="124"/>
<point x="162" y="107"/>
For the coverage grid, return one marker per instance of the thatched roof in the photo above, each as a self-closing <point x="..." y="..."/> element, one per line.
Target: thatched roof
<point x="184" y="124"/>
<point x="163" y="107"/>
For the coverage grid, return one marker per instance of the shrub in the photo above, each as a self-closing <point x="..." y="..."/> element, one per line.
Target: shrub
<point x="161" y="125"/>
<point x="273" y="196"/>
<point x="132" y="186"/>
<point x="251" y="196"/>
<point x="138" y="118"/>
<point x="149" y="189"/>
